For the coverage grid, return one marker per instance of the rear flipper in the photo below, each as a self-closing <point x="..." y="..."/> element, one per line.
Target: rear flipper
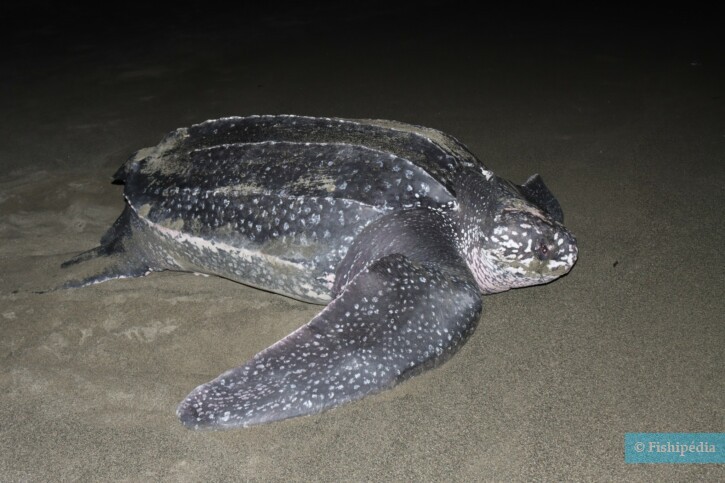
<point x="393" y="320"/>
<point x="116" y="257"/>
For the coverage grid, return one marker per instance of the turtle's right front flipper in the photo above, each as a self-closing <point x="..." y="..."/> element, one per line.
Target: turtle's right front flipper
<point x="113" y="258"/>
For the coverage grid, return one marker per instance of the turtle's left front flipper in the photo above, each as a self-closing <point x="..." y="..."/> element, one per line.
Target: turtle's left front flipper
<point x="395" y="318"/>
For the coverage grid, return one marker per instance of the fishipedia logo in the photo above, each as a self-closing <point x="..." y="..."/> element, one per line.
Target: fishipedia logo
<point x="674" y="448"/>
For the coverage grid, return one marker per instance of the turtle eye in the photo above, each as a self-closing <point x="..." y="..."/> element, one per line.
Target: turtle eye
<point x="543" y="251"/>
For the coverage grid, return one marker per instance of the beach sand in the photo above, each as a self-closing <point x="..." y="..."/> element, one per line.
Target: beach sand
<point x="626" y="123"/>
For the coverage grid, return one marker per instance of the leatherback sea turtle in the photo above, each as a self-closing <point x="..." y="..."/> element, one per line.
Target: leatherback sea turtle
<point x="399" y="229"/>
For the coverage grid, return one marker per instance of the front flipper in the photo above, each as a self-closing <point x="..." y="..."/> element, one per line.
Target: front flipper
<point x="539" y="194"/>
<point x="396" y="318"/>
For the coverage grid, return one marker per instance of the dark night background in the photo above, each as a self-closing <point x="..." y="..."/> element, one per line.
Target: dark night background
<point x="621" y="110"/>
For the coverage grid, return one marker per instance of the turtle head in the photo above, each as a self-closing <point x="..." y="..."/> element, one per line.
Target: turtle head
<point x="512" y="235"/>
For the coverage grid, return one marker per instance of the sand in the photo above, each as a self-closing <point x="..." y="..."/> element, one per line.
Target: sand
<point x="625" y="122"/>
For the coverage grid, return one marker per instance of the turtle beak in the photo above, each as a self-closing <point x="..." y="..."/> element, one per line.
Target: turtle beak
<point x="558" y="255"/>
<point x="568" y="251"/>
